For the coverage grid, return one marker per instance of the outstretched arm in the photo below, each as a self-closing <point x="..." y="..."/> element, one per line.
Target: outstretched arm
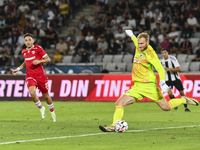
<point x="23" y="65"/>
<point x="132" y="36"/>
<point x="161" y="71"/>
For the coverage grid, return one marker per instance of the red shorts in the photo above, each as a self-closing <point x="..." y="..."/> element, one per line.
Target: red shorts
<point x="42" y="84"/>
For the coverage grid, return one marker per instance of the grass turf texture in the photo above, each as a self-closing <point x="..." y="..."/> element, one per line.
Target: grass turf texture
<point x="22" y="121"/>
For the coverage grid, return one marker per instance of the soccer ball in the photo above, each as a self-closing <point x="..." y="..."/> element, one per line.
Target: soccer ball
<point x="121" y="126"/>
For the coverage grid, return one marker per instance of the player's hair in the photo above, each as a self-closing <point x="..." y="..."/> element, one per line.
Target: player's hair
<point x="143" y="35"/>
<point x="28" y="34"/>
<point x="164" y="49"/>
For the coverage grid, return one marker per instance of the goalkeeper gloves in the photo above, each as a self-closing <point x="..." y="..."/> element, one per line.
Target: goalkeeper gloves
<point x="164" y="86"/>
<point x="129" y="33"/>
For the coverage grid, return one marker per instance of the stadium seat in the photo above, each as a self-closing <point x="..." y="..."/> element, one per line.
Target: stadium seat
<point x="60" y="64"/>
<point x="121" y="66"/>
<point x="90" y="64"/>
<point x="107" y="58"/>
<point x="195" y="49"/>
<point x="117" y="58"/>
<point x="81" y="64"/>
<point x="184" y="66"/>
<point x="97" y="58"/>
<point x="67" y="59"/>
<point x="194" y="66"/>
<point x="71" y="64"/>
<point x="196" y="35"/>
<point x="173" y="55"/>
<point x="121" y="19"/>
<point x="153" y="26"/>
<point x="190" y="57"/>
<point x="128" y="59"/>
<point x="111" y="66"/>
<point x="76" y="59"/>
<point x="129" y="67"/>
<point x="180" y="40"/>
<point x="101" y="64"/>
<point x="159" y="56"/>
<point x="182" y="57"/>
<point x="194" y="42"/>
<point x="162" y="25"/>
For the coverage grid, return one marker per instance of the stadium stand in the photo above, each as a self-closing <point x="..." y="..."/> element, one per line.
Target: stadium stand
<point x="49" y="25"/>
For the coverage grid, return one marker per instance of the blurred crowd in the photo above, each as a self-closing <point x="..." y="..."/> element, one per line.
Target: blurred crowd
<point x="42" y="18"/>
<point x="101" y="33"/>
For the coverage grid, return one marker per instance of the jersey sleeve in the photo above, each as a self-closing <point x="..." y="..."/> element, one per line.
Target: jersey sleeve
<point x="134" y="39"/>
<point x="41" y="52"/>
<point x="176" y="63"/>
<point x="153" y="59"/>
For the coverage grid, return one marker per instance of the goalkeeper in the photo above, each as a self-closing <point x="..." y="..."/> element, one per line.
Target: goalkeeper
<point x="145" y="81"/>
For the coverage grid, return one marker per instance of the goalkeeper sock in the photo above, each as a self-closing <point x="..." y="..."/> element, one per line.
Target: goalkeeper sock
<point x="185" y="105"/>
<point x="119" y="112"/>
<point x="38" y="104"/>
<point x="173" y="103"/>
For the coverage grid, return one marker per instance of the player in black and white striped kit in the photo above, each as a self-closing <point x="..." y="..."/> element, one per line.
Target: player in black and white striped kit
<point x="172" y="67"/>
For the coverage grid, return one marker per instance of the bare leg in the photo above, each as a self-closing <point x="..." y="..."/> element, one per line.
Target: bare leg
<point x="50" y="105"/>
<point x="164" y="105"/>
<point x="47" y="98"/>
<point x="125" y="100"/>
<point x="32" y="91"/>
<point x="120" y="104"/>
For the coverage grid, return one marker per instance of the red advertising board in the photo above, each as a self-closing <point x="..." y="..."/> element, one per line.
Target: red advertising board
<point x="86" y="87"/>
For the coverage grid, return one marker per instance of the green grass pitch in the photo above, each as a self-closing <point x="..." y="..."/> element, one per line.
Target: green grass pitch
<point x="77" y="127"/>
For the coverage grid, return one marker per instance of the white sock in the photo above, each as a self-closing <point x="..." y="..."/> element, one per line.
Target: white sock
<point x="38" y="104"/>
<point x="51" y="107"/>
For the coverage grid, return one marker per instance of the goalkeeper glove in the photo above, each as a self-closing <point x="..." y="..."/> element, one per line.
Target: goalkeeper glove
<point x="164" y="86"/>
<point x="129" y="33"/>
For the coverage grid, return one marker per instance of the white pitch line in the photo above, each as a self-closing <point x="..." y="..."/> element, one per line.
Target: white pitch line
<point x="83" y="135"/>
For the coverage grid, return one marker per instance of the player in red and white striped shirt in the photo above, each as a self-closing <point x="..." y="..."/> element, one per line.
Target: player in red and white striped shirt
<point x="34" y="57"/>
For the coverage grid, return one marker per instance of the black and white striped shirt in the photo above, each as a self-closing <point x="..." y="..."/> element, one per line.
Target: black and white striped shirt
<point x="171" y="62"/>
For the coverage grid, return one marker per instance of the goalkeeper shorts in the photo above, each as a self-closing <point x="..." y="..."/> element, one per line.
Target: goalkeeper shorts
<point x="150" y="90"/>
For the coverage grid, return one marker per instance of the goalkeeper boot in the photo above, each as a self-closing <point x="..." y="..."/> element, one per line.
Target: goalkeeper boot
<point x="42" y="111"/>
<point x="187" y="110"/>
<point x="110" y="128"/>
<point x="53" y="116"/>
<point x="190" y="101"/>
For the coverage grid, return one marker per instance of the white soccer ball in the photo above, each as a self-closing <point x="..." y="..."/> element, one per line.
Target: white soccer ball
<point x="121" y="126"/>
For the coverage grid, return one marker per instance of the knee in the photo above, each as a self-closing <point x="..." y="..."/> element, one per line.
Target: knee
<point x="32" y="93"/>
<point x="46" y="96"/>
<point x="124" y="102"/>
<point x="166" y="108"/>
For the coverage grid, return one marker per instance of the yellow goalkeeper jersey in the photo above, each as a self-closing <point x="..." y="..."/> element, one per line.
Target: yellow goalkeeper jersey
<point x="143" y="64"/>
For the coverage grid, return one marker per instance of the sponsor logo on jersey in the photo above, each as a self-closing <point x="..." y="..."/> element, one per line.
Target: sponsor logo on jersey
<point x="30" y="58"/>
<point x="140" y="55"/>
<point x="137" y="60"/>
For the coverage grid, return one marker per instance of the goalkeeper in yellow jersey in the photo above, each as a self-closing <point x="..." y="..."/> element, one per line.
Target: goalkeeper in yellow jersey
<point x="145" y="81"/>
